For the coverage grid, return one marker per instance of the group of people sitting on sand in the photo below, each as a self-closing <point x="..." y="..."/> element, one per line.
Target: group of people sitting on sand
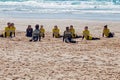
<point x="68" y="35"/>
<point x="9" y="30"/>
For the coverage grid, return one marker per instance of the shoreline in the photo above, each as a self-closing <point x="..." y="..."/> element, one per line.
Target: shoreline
<point x="81" y="16"/>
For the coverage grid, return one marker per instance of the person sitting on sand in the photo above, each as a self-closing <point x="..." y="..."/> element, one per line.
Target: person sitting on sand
<point x="107" y="33"/>
<point x="87" y="36"/>
<point x="67" y="36"/>
<point x="13" y="28"/>
<point x="36" y="34"/>
<point x="56" y="32"/>
<point x="29" y="31"/>
<point x="8" y="32"/>
<point x="42" y="31"/>
<point x="72" y="30"/>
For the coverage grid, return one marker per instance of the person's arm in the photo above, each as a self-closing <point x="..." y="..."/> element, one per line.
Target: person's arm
<point x="103" y="35"/>
<point x="14" y="34"/>
<point x="63" y="36"/>
<point x="5" y="34"/>
<point x="53" y="35"/>
<point x="83" y="37"/>
<point x="39" y="37"/>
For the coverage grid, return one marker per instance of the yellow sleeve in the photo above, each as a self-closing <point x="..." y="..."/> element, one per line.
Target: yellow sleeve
<point x="58" y="30"/>
<point x="6" y="29"/>
<point x="53" y="30"/>
<point x="44" y="30"/>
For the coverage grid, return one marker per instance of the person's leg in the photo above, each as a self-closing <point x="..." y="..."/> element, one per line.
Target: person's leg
<point x="110" y="35"/>
<point x="95" y="38"/>
<point x="1" y="35"/>
<point x="14" y="34"/>
<point x="5" y="34"/>
<point x="78" y="36"/>
<point x="11" y="34"/>
<point x="66" y="40"/>
<point x="71" y="40"/>
<point x="39" y="37"/>
<point x="35" y="38"/>
<point x="43" y="36"/>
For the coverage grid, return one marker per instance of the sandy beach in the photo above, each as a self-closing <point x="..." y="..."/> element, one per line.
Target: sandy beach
<point x="52" y="59"/>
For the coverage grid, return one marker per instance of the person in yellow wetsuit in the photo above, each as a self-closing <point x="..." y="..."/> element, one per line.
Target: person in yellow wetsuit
<point x="72" y="30"/>
<point x="87" y="36"/>
<point x="56" y="32"/>
<point x="42" y="31"/>
<point x="8" y="32"/>
<point x="13" y="28"/>
<point x="107" y="33"/>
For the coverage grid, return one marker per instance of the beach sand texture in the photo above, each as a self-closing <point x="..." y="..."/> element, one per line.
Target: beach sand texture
<point x="51" y="59"/>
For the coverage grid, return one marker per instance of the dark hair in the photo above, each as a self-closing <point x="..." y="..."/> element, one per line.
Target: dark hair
<point x="105" y="26"/>
<point x="86" y="26"/>
<point x="67" y="28"/>
<point x="71" y="25"/>
<point x="8" y="23"/>
<point x="37" y="26"/>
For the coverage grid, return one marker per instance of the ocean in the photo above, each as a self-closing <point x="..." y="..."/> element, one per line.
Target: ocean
<point x="61" y="9"/>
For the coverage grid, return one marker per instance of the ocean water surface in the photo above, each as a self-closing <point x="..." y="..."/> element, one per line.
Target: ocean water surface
<point x="61" y="9"/>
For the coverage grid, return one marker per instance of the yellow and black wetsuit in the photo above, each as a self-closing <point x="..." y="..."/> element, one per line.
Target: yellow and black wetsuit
<point x="13" y="30"/>
<point x="86" y="35"/>
<point x="7" y="32"/>
<point x="73" y="32"/>
<point x="106" y="32"/>
<point x="42" y="32"/>
<point x="56" y="33"/>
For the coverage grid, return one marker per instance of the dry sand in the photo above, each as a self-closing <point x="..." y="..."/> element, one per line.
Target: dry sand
<point x="51" y="59"/>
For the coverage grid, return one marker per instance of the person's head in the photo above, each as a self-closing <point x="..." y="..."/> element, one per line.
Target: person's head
<point x="67" y="28"/>
<point x="29" y="26"/>
<point x="41" y="26"/>
<point x="8" y="24"/>
<point x="37" y="26"/>
<point x="105" y="27"/>
<point x="12" y="24"/>
<point x="71" y="26"/>
<point x="86" y="28"/>
<point x="55" y="27"/>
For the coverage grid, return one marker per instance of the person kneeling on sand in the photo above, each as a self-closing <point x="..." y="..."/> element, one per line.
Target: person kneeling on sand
<point x="72" y="30"/>
<point x="67" y="36"/>
<point x="107" y="33"/>
<point x="87" y="36"/>
<point x="29" y="31"/>
<point x="56" y="32"/>
<point x="8" y="31"/>
<point x="42" y="31"/>
<point x="36" y="34"/>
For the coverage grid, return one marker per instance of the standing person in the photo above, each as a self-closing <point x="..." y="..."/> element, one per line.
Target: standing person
<point x="67" y="36"/>
<point x="36" y="34"/>
<point x="107" y="33"/>
<point x="42" y="31"/>
<point x="56" y="32"/>
<point x="29" y="31"/>
<point x="13" y="28"/>
<point x="87" y="36"/>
